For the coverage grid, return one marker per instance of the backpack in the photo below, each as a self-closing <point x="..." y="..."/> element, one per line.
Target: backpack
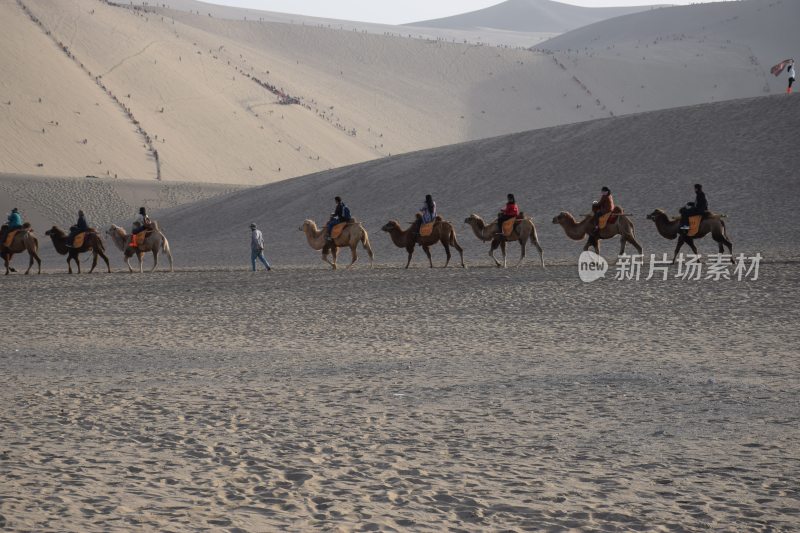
<point x="346" y="213"/>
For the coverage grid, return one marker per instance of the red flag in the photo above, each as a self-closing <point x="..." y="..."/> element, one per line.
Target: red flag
<point x="777" y="69"/>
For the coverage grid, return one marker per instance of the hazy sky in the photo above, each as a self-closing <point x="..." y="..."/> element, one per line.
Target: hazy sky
<point x="402" y="11"/>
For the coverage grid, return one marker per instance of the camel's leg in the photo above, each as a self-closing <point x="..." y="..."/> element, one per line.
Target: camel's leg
<point x="353" y="256"/>
<point x="427" y="251"/>
<point x="334" y="255"/>
<point x="503" y="251"/>
<point x="410" y="251"/>
<point x="447" y="253"/>
<point x="723" y="242"/>
<point x="128" y="262"/>
<point x="460" y="250"/>
<point x="155" y="260"/>
<point x="522" y="243"/>
<point x="592" y="242"/>
<point x="495" y="244"/>
<point x="6" y="259"/>
<point x="30" y="262"/>
<point x="105" y="258"/>
<point x="94" y="261"/>
<point x="690" y="242"/>
<point x="622" y="242"/>
<point x="78" y="263"/>
<point x="635" y="243"/>
<point x="681" y="240"/>
<point x="69" y="263"/>
<point x="169" y="256"/>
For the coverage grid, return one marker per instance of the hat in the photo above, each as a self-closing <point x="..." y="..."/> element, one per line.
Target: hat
<point x="15" y="210"/>
<point x="252" y="225"/>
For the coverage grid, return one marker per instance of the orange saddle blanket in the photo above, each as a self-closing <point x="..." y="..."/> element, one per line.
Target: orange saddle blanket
<point x="610" y="218"/>
<point x="137" y="239"/>
<point x="337" y="230"/>
<point x="77" y="242"/>
<point x="508" y="227"/>
<point x="10" y="237"/>
<point x="426" y="229"/>
<point x="694" y="224"/>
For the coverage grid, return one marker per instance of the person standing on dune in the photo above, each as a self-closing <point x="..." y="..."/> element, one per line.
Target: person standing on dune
<point x="792" y="76"/>
<point x="257" y="248"/>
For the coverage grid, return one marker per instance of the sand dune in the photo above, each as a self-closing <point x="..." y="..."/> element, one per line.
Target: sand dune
<point x="740" y="150"/>
<point x="206" y="91"/>
<point x="716" y="50"/>
<point x="531" y="16"/>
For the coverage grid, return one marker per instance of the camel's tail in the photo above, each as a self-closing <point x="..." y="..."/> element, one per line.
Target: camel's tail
<point x="99" y="245"/>
<point x="535" y="243"/>
<point x="367" y="246"/>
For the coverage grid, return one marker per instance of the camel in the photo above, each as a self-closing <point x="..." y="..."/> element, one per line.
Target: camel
<point x="154" y="242"/>
<point x="353" y="234"/>
<point x="523" y="230"/>
<point x="669" y="228"/>
<point x="443" y="232"/>
<point x="92" y="242"/>
<point x="578" y="230"/>
<point x="23" y="241"/>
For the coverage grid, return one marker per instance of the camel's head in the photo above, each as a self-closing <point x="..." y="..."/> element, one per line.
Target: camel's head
<point x="113" y="230"/>
<point x="308" y="224"/>
<point x="656" y="214"/>
<point x="563" y="216"/>
<point x="392" y="225"/>
<point x="473" y="218"/>
<point x="54" y="231"/>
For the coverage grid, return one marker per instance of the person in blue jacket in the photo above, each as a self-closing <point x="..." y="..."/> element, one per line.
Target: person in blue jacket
<point x="14" y="222"/>
<point x="78" y="228"/>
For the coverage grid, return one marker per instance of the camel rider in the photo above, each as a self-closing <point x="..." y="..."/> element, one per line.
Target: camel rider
<point x="14" y="222"/>
<point x="340" y="214"/>
<point x="427" y="214"/>
<point x="511" y="210"/>
<point x="601" y="207"/>
<point x="77" y="229"/>
<point x="698" y="207"/>
<point x="140" y="223"/>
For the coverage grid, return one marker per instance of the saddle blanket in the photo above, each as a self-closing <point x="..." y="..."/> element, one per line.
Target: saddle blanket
<point x="426" y="229"/>
<point x="337" y="230"/>
<point x="694" y="225"/>
<point x="10" y="237"/>
<point x="508" y="227"/>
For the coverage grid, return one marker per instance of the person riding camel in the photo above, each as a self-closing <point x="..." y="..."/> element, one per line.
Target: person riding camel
<point x="698" y="207"/>
<point x="426" y="215"/>
<point x="511" y="210"/>
<point x="77" y="229"/>
<point x="14" y="223"/>
<point x="140" y="223"/>
<point x="601" y="207"/>
<point x="339" y="215"/>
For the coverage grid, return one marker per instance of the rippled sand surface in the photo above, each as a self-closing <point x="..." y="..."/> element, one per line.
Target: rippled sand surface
<point x="379" y="400"/>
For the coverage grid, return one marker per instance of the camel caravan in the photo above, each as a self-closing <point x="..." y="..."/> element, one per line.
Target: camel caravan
<point x="17" y="237"/>
<point x="606" y="221"/>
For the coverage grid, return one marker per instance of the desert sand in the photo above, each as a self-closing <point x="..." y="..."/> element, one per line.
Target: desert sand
<point x="390" y="400"/>
<point x="384" y="399"/>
